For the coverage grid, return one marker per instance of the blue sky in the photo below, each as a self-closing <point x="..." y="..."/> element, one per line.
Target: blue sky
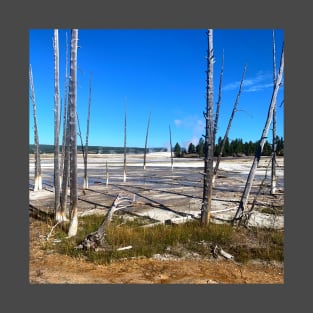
<point x="161" y="72"/>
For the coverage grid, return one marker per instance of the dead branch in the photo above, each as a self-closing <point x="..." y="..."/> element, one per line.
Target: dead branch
<point x="96" y="240"/>
<point x="216" y="251"/>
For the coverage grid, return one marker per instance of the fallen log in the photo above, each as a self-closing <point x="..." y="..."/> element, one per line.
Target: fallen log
<point x="216" y="251"/>
<point x="96" y="240"/>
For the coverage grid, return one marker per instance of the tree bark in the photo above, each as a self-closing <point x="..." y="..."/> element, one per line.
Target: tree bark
<point x="66" y="170"/>
<point x="73" y="134"/>
<point x="274" y="144"/>
<point x="65" y="160"/>
<point x="56" y="125"/>
<point x="246" y="192"/>
<point x="209" y="144"/>
<point x="64" y="116"/>
<point x="37" y="176"/>
<point x="228" y="127"/>
<point x="146" y="142"/>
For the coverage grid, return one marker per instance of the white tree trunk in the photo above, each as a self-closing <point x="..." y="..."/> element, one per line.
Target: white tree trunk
<point x="146" y="142"/>
<point x="37" y="178"/>
<point x="124" y="173"/>
<point x="171" y="149"/>
<point x="56" y="123"/>
<point x="209" y="144"/>
<point x="246" y="192"/>
<point x="228" y="128"/>
<point x="273" y="174"/>
<point x="73" y="134"/>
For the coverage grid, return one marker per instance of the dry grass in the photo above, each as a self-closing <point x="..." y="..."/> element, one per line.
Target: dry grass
<point x="47" y="266"/>
<point x="177" y="240"/>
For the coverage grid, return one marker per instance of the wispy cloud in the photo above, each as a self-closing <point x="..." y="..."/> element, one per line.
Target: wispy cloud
<point x="258" y="87"/>
<point x="259" y="82"/>
<point x="178" y="123"/>
<point x="191" y="122"/>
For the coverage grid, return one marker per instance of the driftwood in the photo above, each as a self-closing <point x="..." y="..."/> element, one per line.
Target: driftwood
<point x="218" y="251"/>
<point x="96" y="240"/>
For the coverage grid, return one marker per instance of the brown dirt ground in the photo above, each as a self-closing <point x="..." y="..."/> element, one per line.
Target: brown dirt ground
<point x="49" y="267"/>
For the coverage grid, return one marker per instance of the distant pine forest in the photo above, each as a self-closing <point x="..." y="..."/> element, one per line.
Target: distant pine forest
<point x="96" y="149"/>
<point x="235" y="148"/>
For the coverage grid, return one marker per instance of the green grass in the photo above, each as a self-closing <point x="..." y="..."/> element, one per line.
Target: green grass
<point x="268" y="244"/>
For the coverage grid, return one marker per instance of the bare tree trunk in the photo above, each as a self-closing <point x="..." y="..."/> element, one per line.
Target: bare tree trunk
<point x="56" y="125"/>
<point x="124" y="178"/>
<point x="273" y="173"/>
<point x="86" y="143"/>
<point x="64" y="116"/>
<point x="218" y="105"/>
<point x="209" y="144"/>
<point x="65" y="160"/>
<point x="80" y="136"/>
<point x="73" y="134"/>
<point x="66" y="170"/>
<point x="171" y="148"/>
<point x="63" y="142"/>
<point x="228" y="127"/>
<point x="146" y="142"/>
<point x="37" y="176"/>
<point x="246" y="192"/>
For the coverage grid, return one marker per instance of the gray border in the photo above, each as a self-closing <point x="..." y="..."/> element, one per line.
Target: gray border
<point x="17" y="20"/>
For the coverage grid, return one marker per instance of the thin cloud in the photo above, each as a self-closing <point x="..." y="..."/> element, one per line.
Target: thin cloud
<point x="258" y="87"/>
<point x="194" y="123"/>
<point x="258" y="83"/>
<point x="178" y="123"/>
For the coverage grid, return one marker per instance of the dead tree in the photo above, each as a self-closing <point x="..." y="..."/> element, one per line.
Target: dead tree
<point x="80" y="136"/>
<point x="65" y="110"/>
<point x="37" y="176"/>
<point x="97" y="239"/>
<point x="228" y="127"/>
<point x="124" y="173"/>
<point x="65" y="158"/>
<point x="171" y="149"/>
<point x="209" y="144"/>
<point x="245" y="195"/>
<point x="146" y="142"/>
<point x="73" y="134"/>
<point x="56" y="125"/>
<point x="218" y="104"/>
<point x="86" y="142"/>
<point x="66" y="171"/>
<point x="274" y="145"/>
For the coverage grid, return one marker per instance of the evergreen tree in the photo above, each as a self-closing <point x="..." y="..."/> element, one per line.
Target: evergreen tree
<point x="191" y="148"/>
<point x="177" y="150"/>
<point x="267" y="149"/>
<point x="200" y="147"/>
<point x="217" y="147"/>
